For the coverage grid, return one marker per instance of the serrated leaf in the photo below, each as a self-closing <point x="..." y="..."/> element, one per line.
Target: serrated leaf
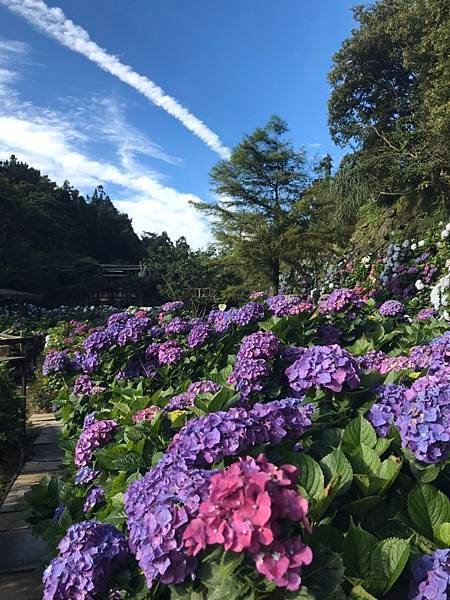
<point x="443" y="534"/>
<point x="358" y="547"/>
<point x="382" y="445"/>
<point x="311" y="476"/>
<point x="359" y="431"/>
<point x="365" y="461"/>
<point x="388" y="559"/>
<point x="428" y="508"/>
<point x="360" y="593"/>
<point x="184" y="592"/>
<point x="336" y="464"/>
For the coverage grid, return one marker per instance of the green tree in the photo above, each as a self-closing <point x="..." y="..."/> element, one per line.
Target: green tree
<point x="390" y="97"/>
<point x="258" y="216"/>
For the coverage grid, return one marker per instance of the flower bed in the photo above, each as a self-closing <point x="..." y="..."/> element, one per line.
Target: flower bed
<point x="278" y="450"/>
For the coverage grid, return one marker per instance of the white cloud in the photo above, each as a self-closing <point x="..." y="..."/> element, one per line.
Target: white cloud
<point x="53" y="22"/>
<point x="57" y="143"/>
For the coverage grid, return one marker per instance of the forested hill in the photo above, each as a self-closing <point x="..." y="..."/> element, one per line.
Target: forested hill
<point x="43" y="225"/>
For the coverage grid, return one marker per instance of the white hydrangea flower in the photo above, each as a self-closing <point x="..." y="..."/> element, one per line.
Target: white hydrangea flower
<point x="419" y="285"/>
<point x="445" y="234"/>
<point x="414" y="246"/>
<point x="421" y="243"/>
<point x="447" y="227"/>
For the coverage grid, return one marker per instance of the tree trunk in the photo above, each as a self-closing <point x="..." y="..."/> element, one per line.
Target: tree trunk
<point x="275" y="276"/>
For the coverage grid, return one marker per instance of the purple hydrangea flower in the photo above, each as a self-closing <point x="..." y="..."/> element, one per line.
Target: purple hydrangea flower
<point x="89" y="361"/>
<point x="208" y="439"/>
<point x="89" y="420"/>
<point x="431" y="577"/>
<point x="339" y="300"/>
<point x="424" y="423"/>
<point x="85" y="386"/>
<point x="180" y="402"/>
<point x="119" y="318"/>
<point x="170" y="307"/>
<point x="283" y="304"/>
<point x="249" y="376"/>
<point x="425" y="314"/>
<point x="85" y="475"/>
<point x="391" y="308"/>
<point x="95" y="496"/>
<point x="259" y="345"/>
<point x="331" y="367"/>
<point x="102" y="340"/>
<point x="89" y="554"/>
<point x="93" y="437"/>
<point x="169" y="353"/>
<point x="249" y="313"/>
<point x="203" y="387"/>
<point x="220" y="320"/>
<point x="158" y="508"/>
<point x="57" y="362"/>
<point x="133" y="330"/>
<point x="198" y="335"/>
<point x="176" y="326"/>
<point x="390" y="401"/>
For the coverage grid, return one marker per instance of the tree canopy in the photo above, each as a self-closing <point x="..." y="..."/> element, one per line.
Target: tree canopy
<point x="258" y="215"/>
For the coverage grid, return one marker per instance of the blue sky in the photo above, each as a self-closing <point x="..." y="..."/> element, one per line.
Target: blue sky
<point x="226" y="65"/>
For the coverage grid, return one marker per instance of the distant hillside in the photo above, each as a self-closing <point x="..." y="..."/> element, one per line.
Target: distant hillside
<point x="43" y="225"/>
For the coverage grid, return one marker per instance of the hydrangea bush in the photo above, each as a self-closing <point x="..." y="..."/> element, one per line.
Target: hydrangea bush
<point x="286" y="449"/>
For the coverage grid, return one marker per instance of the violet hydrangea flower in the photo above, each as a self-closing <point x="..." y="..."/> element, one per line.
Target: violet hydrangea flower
<point x="198" y="335"/>
<point x="249" y="313"/>
<point x="391" y="308"/>
<point x="146" y="414"/>
<point x="89" y="554"/>
<point x="424" y="423"/>
<point x="331" y="367"/>
<point x="339" y="300"/>
<point x="85" y="475"/>
<point x="95" y="436"/>
<point x="95" y="496"/>
<point x="388" y="407"/>
<point x="57" y="362"/>
<point x="431" y="577"/>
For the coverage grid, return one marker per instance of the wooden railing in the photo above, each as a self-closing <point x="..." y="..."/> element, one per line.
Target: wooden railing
<point x="20" y="352"/>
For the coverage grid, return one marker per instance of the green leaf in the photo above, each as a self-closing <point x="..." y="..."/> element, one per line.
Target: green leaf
<point x="443" y="534"/>
<point x="357" y="552"/>
<point x="336" y="464"/>
<point x="428" y="509"/>
<point x="311" y="477"/>
<point x="218" y="573"/>
<point x="360" y="593"/>
<point x="382" y="445"/>
<point x="365" y="461"/>
<point x="359" y="431"/>
<point x="325" y="574"/>
<point x="388" y="559"/>
<point x="184" y="592"/>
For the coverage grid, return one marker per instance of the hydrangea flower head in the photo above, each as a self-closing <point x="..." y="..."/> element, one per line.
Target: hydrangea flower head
<point x="95" y="496"/>
<point x="198" y="335"/>
<point x="388" y="407"/>
<point x="331" y="367"/>
<point x="95" y="436"/>
<point x="57" y="362"/>
<point x="391" y="308"/>
<point x="249" y="313"/>
<point x="339" y="300"/>
<point x="89" y="554"/>
<point x="431" y="577"/>
<point x="169" y="353"/>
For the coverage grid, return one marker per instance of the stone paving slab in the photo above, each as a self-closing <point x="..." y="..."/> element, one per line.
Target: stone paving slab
<point x="20" y="551"/>
<point x="10" y="521"/>
<point x="15" y="499"/>
<point x="46" y="452"/>
<point x="22" y="556"/>
<point x="25" y="586"/>
<point x="41" y="467"/>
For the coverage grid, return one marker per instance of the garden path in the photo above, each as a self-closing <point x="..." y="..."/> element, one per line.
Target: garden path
<point x="22" y="556"/>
